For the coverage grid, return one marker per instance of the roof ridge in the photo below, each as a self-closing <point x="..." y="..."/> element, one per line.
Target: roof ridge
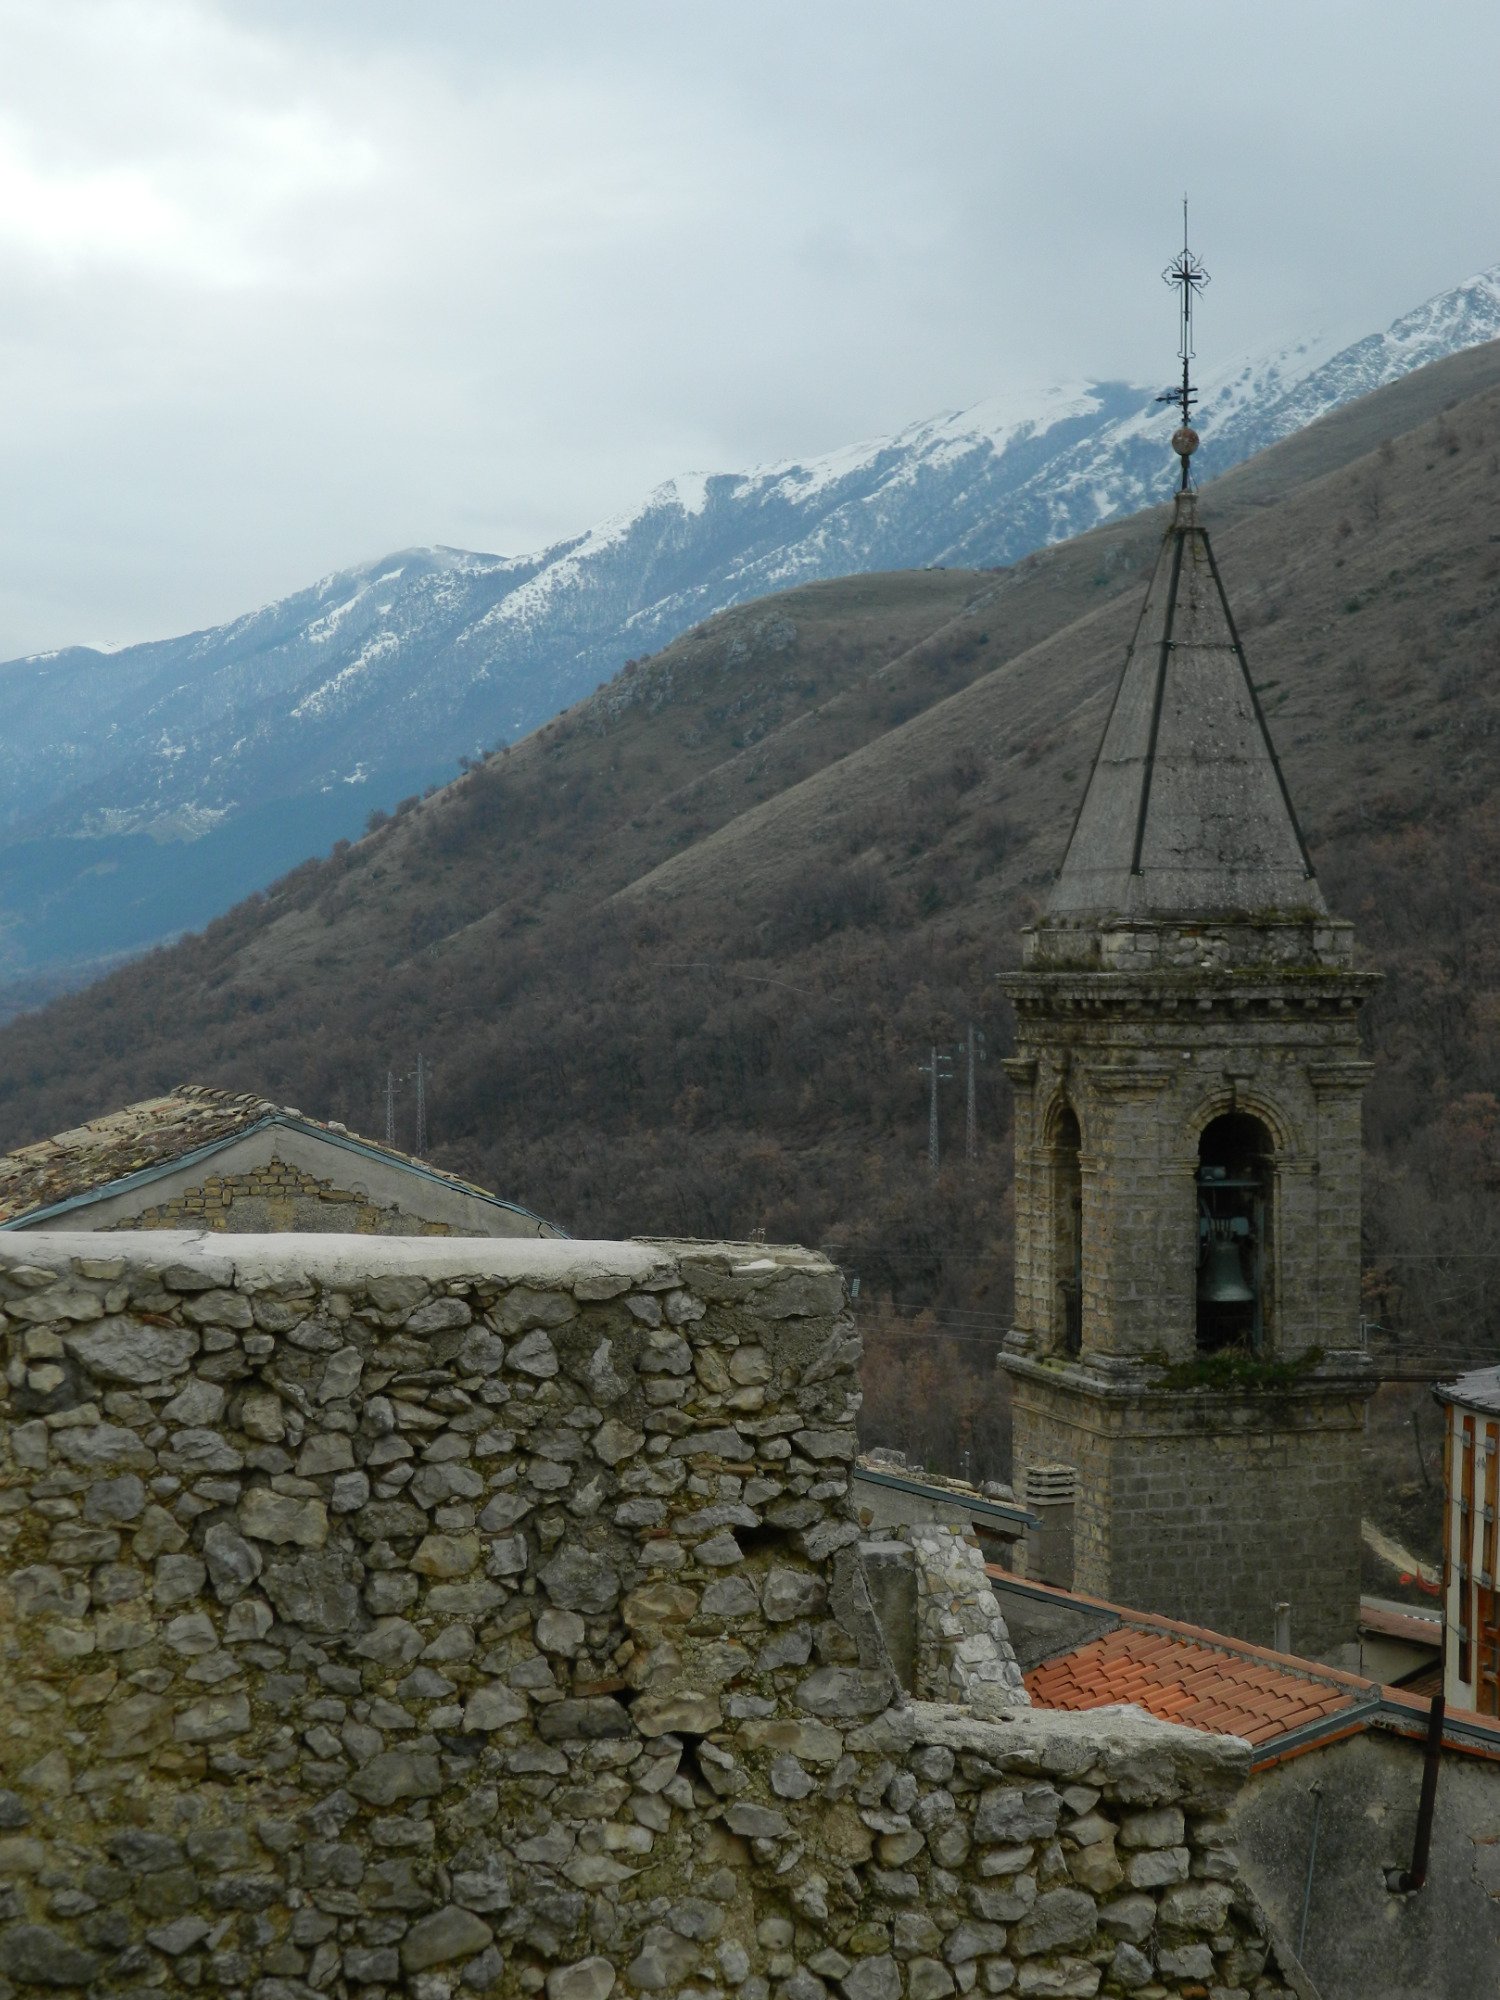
<point x="211" y="1093"/>
<point x="1150" y="1622"/>
<point x="1246" y="1649"/>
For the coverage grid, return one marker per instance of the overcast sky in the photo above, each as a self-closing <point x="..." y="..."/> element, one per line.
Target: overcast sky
<point x="287" y="284"/>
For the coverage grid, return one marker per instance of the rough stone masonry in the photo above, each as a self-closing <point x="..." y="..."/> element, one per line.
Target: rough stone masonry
<point x="486" y="1616"/>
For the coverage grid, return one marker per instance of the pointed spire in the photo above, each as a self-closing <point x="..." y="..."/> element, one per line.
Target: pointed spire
<point x="1186" y="814"/>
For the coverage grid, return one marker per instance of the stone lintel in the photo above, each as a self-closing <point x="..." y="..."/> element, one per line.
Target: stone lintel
<point x="256" y="1262"/>
<point x="1336" y="1076"/>
<point x="1056" y="1741"/>
<point x="1122" y="1078"/>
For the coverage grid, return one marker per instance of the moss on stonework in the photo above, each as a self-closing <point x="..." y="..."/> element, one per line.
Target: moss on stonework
<point x="1233" y="1368"/>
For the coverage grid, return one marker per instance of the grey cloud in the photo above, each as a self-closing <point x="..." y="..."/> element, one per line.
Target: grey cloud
<point x="288" y="287"/>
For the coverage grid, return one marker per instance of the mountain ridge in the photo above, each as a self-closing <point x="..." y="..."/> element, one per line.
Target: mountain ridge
<point x="214" y="760"/>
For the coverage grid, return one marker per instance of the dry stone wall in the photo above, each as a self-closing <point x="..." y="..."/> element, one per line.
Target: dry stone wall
<point x="962" y="1643"/>
<point x="437" y="1618"/>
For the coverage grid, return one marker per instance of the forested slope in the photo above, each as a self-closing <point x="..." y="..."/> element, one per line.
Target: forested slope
<point x="676" y="958"/>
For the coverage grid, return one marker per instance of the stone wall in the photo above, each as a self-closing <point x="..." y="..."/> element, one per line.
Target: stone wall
<point x="431" y="1618"/>
<point x="1324" y="1829"/>
<point x="963" y="1647"/>
<point x="275" y="1196"/>
<point x="1207" y="1506"/>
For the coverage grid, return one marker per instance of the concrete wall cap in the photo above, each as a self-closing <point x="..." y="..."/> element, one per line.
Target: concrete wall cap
<point x="334" y="1260"/>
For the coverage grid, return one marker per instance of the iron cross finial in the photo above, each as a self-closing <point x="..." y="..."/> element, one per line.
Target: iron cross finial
<point x="1187" y="273"/>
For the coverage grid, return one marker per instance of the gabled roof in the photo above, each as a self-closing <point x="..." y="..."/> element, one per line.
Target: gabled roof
<point x="1186" y="813"/>
<point x="131" y="1147"/>
<point x="1278" y="1702"/>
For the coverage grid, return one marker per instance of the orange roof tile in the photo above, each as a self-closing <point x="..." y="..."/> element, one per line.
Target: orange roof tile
<point x="1282" y="1704"/>
<point x="1210" y="1684"/>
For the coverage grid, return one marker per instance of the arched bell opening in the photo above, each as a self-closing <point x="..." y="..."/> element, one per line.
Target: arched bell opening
<point x="1236" y="1163"/>
<point x="1067" y="1233"/>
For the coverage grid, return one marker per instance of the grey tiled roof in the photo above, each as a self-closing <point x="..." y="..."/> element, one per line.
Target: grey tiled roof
<point x="1185" y="814"/>
<point x="1478" y="1390"/>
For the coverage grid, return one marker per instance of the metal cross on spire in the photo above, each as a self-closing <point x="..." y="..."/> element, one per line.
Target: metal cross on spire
<point x="1187" y="273"/>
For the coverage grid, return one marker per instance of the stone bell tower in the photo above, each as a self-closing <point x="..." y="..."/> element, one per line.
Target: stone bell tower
<point x="1188" y="1077"/>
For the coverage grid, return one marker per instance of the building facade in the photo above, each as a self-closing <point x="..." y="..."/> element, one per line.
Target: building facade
<point x="1471" y="1525"/>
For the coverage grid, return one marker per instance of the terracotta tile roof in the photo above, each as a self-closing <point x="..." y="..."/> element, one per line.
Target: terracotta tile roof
<point x="1397" y="1621"/>
<point x="1183" y="1673"/>
<point x="154" y="1133"/>
<point x="1280" y="1703"/>
<point x="1206" y="1682"/>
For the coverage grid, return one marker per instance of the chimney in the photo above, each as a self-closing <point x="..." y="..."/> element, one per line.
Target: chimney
<point x="1050" y="1491"/>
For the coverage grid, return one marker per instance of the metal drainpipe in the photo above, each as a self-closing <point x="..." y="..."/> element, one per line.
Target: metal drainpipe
<point x="1415" y="1877"/>
<point x="1402" y="1882"/>
<point x="1312" y="1862"/>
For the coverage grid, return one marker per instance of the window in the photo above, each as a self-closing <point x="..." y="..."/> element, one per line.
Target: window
<point x="1067" y="1233"/>
<point x="1235" y="1161"/>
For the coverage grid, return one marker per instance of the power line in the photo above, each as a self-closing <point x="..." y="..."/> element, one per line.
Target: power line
<point x="733" y="972"/>
<point x="939" y="1067"/>
<point x="975" y="1053"/>
<point x="420" y="1076"/>
<point x="949" y="1339"/>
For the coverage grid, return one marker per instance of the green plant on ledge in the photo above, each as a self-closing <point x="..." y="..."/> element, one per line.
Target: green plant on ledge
<point x="1236" y="1368"/>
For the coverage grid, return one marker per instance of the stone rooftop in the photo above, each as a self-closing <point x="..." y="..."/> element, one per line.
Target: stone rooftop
<point x="158" y="1132"/>
<point x="1478" y="1390"/>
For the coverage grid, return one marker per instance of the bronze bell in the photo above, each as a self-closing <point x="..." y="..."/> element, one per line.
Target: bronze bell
<point x="1221" y="1277"/>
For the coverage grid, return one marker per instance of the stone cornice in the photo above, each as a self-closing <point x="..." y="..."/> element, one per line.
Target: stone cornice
<point x="1255" y="992"/>
<point x="1122" y="1379"/>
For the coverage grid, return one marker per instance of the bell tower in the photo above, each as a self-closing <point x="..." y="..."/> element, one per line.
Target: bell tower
<point x="1188" y="1076"/>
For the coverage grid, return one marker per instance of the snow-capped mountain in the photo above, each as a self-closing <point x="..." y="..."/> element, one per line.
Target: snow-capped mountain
<point x="143" y="790"/>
